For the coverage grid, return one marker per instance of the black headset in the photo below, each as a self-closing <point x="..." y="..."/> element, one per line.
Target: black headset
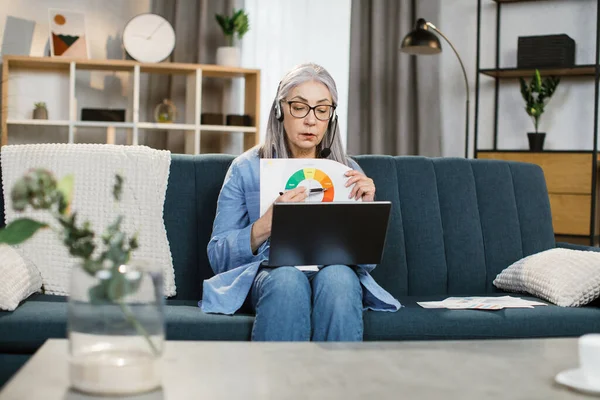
<point x="333" y="121"/>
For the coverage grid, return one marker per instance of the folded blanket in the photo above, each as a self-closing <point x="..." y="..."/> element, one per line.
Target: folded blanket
<point x="145" y="172"/>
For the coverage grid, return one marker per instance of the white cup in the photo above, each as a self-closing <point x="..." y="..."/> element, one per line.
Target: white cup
<point x="589" y="358"/>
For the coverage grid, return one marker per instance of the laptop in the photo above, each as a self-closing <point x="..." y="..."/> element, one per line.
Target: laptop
<point x="328" y="233"/>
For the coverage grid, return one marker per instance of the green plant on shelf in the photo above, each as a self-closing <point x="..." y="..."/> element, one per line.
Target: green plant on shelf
<point x="40" y="104"/>
<point x="237" y="23"/>
<point x="537" y="94"/>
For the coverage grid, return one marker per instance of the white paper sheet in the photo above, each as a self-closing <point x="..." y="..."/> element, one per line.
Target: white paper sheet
<point x="481" y="303"/>
<point x="314" y="268"/>
<point x="281" y="174"/>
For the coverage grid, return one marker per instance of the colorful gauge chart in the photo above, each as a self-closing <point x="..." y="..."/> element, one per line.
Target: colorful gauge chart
<point x="312" y="174"/>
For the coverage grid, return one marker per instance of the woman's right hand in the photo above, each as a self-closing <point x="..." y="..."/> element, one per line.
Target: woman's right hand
<point x="261" y="229"/>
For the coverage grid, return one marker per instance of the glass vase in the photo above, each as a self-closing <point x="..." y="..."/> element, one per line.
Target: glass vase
<point x="116" y="329"/>
<point x="165" y="112"/>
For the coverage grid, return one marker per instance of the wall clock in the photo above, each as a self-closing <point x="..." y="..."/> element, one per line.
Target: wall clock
<point x="148" y="38"/>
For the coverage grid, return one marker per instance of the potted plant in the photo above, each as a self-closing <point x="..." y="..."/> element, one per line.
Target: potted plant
<point x="238" y="23"/>
<point x="115" y="315"/>
<point x="536" y="95"/>
<point x="40" y="111"/>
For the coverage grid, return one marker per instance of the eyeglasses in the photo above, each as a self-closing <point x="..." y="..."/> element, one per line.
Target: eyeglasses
<point x="323" y="112"/>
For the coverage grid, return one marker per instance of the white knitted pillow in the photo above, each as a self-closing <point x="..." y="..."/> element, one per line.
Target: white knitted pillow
<point x="146" y="173"/>
<point x="565" y="277"/>
<point x="19" y="278"/>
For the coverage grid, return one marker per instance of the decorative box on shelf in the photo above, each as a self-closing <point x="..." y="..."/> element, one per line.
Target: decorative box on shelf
<point x="545" y="51"/>
<point x="239" y="120"/>
<point x="211" y="119"/>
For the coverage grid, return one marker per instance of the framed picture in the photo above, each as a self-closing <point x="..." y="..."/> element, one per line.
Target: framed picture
<point x="68" y="34"/>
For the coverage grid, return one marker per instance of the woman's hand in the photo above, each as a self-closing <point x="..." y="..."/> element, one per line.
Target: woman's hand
<point x="364" y="187"/>
<point x="261" y="229"/>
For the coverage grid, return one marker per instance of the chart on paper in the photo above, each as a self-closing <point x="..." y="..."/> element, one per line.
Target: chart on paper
<point x="323" y="179"/>
<point x="312" y="178"/>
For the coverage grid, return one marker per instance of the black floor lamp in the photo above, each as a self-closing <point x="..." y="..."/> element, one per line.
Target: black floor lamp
<point x="422" y="41"/>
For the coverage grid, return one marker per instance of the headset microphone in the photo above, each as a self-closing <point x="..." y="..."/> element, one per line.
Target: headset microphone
<point x="326" y="151"/>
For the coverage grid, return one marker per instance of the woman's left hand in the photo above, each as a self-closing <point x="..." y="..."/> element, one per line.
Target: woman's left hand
<point x="364" y="187"/>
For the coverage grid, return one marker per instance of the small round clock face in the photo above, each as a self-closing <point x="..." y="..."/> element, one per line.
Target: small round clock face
<point x="149" y="38"/>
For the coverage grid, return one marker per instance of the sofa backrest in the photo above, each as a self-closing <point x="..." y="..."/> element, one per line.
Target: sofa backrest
<point x="189" y="212"/>
<point x="457" y="223"/>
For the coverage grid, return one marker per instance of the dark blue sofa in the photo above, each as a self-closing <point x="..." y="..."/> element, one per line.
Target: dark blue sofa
<point x="455" y="225"/>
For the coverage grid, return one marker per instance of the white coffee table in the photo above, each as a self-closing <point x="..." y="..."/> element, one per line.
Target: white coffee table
<point x="491" y="369"/>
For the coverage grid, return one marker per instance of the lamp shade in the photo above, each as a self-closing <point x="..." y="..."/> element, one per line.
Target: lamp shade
<point x="421" y="40"/>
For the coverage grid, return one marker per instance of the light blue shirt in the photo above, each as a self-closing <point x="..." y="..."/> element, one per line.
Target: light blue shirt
<point x="230" y="254"/>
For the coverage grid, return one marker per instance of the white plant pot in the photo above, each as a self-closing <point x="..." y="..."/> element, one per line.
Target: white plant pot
<point x="228" y="56"/>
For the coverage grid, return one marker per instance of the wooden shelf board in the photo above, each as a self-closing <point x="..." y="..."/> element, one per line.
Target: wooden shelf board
<point x="544" y="152"/>
<point x="126" y="65"/>
<point x="228" y="128"/>
<point x="141" y="125"/>
<point x="191" y="127"/>
<point x="103" y="124"/>
<point x="578" y="70"/>
<point x="566" y="172"/>
<point x="528" y="151"/>
<point x="515" y="1"/>
<point x="166" y="126"/>
<point x="36" y="63"/>
<point x="39" y="122"/>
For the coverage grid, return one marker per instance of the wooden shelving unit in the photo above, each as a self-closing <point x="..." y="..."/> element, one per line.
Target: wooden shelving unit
<point x="510" y="73"/>
<point x="194" y="73"/>
<point x="571" y="176"/>
<point x="568" y="178"/>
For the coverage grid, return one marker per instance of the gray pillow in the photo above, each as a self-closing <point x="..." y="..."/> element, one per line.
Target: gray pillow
<point x="568" y="278"/>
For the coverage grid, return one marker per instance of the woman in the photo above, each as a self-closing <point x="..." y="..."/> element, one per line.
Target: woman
<point x="290" y="304"/>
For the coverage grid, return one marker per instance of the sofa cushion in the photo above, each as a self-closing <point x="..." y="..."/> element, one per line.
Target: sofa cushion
<point x="190" y="206"/>
<point x="38" y="318"/>
<point x="416" y="323"/>
<point x="565" y="277"/>
<point x="20" y="278"/>
<point x="457" y="223"/>
<point x="93" y="168"/>
<point x="185" y="321"/>
<point x="43" y="317"/>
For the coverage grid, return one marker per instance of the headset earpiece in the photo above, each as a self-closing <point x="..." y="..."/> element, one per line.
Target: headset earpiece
<point x="278" y="111"/>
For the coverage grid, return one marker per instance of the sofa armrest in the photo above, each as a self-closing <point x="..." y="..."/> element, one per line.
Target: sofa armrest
<point x="571" y="246"/>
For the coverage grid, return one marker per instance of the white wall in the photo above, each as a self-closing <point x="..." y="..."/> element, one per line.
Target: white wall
<point x="568" y="120"/>
<point x="105" y="20"/>
<point x="284" y="33"/>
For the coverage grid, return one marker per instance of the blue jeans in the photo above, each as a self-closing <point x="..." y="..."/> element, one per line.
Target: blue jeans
<point x="292" y="305"/>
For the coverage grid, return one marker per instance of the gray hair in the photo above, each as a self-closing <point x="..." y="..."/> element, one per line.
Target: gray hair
<point x="275" y="144"/>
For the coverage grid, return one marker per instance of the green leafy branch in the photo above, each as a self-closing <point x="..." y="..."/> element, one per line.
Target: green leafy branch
<point x="39" y="190"/>
<point x="537" y="94"/>
<point x="237" y="23"/>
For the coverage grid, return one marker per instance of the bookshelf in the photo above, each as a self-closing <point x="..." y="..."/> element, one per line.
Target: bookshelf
<point x="193" y="73"/>
<point x="571" y="175"/>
